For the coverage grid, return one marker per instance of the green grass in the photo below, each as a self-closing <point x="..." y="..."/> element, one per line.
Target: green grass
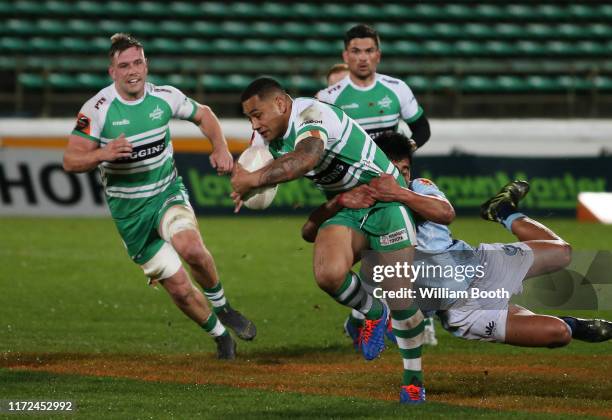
<point x="98" y="397"/>
<point x="68" y="286"/>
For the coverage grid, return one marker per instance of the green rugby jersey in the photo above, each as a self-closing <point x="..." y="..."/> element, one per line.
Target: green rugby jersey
<point x="377" y="108"/>
<point x="350" y="158"/>
<point x="130" y="183"/>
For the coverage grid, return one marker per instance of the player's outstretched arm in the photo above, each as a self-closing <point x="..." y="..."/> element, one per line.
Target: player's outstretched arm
<point x="220" y="158"/>
<point x="83" y="155"/>
<point x="293" y="165"/>
<point x="357" y="198"/>
<point x="430" y="207"/>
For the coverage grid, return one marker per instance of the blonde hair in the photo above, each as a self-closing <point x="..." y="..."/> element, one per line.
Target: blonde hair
<point x="337" y="68"/>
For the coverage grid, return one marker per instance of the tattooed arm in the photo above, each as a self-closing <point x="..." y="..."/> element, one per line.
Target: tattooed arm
<point x="293" y="165"/>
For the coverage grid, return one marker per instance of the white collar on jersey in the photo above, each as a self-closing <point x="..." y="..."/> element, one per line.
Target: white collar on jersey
<point x="366" y="88"/>
<point x="137" y="101"/>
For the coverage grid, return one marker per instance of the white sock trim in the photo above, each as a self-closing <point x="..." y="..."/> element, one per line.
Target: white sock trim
<point x="412" y="364"/>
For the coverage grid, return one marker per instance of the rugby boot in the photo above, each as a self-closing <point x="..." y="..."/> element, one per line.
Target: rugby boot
<point x="591" y="330"/>
<point x="372" y="337"/>
<point x="353" y="331"/>
<point x="226" y="347"/>
<point x="243" y="327"/>
<point x="413" y="393"/>
<point x="505" y="201"/>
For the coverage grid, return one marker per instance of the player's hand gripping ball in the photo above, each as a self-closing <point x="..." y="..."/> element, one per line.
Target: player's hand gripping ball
<point x="252" y="159"/>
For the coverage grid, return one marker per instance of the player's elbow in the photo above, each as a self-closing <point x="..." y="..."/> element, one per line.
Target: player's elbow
<point x="420" y="131"/>
<point x="203" y="114"/>
<point x="565" y="251"/>
<point x="309" y="233"/>
<point x="447" y="215"/>
<point x="205" y="109"/>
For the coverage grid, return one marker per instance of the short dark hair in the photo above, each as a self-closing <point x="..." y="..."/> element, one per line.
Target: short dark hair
<point x="262" y="87"/>
<point x="336" y="68"/>
<point x="395" y="145"/>
<point x="361" y="31"/>
<point x="121" y="42"/>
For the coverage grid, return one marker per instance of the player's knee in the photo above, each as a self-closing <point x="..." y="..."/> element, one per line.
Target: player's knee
<point x="195" y="254"/>
<point x="330" y="278"/>
<point x="190" y="247"/>
<point x="563" y="255"/>
<point x="565" y="251"/>
<point x="164" y="264"/>
<point x="559" y="335"/>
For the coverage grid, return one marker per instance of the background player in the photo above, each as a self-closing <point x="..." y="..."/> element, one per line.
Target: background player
<point x="377" y="102"/>
<point x="123" y="130"/>
<point x="336" y="73"/>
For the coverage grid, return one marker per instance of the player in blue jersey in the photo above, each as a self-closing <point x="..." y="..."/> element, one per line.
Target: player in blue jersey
<point x="539" y="251"/>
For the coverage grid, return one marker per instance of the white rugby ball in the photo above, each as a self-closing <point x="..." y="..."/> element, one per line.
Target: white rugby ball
<point x="252" y="159"/>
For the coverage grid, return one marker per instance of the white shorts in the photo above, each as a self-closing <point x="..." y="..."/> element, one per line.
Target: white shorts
<point x="506" y="266"/>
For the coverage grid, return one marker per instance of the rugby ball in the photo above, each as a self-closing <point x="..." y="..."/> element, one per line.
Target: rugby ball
<point x="252" y="159"/>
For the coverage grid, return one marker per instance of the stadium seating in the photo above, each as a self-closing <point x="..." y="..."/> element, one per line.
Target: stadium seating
<point x="435" y="45"/>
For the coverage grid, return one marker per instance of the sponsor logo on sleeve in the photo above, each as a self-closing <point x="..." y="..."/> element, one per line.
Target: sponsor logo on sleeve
<point x="311" y="122"/>
<point x="334" y="88"/>
<point x="100" y="102"/>
<point x="392" y="81"/>
<point x="83" y="124"/>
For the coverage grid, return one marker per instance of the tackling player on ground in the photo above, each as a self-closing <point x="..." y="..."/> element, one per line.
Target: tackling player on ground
<point x="540" y="251"/>
<point x="123" y="131"/>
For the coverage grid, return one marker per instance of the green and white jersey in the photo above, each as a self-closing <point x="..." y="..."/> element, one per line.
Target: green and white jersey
<point x="350" y="158"/>
<point x="130" y="183"/>
<point x="377" y="108"/>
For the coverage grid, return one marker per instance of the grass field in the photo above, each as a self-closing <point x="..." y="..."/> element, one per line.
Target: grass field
<point x="79" y="323"/>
